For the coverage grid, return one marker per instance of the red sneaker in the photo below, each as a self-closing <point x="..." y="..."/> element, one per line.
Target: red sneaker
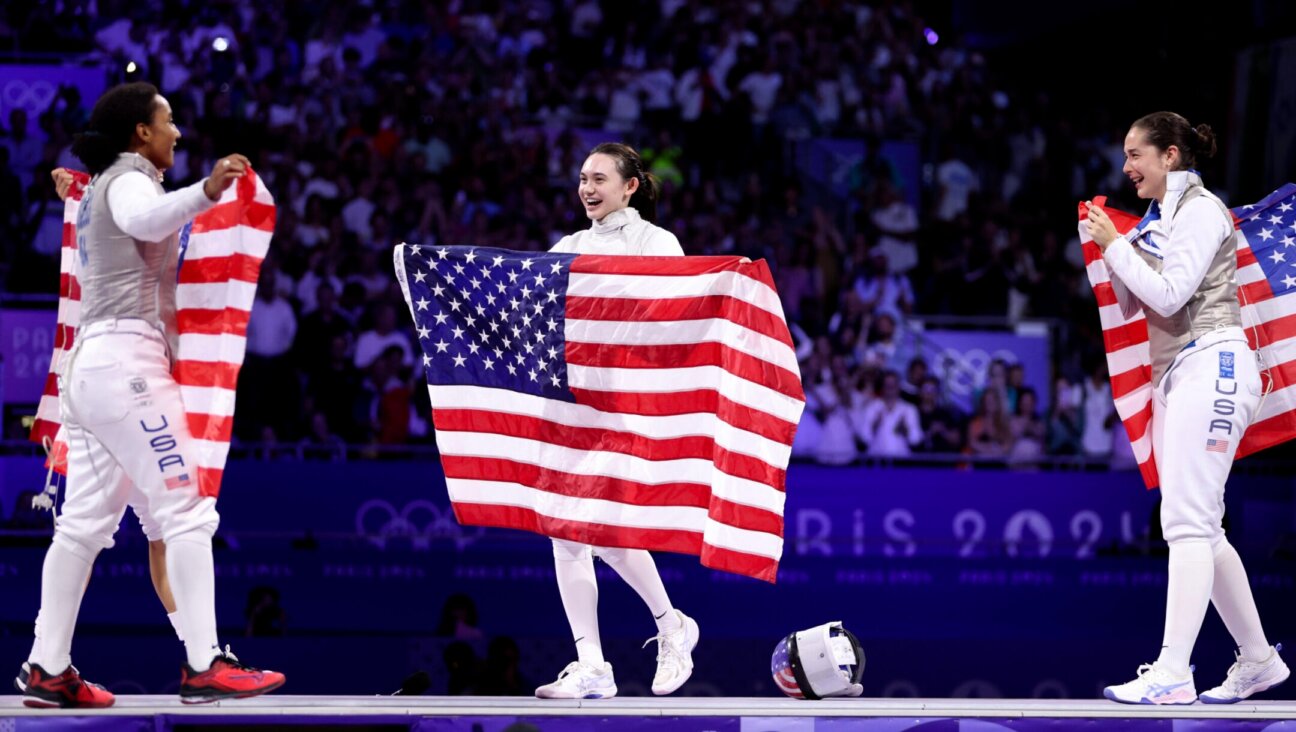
<point x="67" y="690"/>
<point x="226" y="679"/>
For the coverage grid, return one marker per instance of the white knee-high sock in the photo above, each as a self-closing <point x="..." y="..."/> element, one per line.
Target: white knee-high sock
<point x="63" y="581"/>
<point x="1192" y="571"/>
<point x="175" y="623"/>
<point x="192" y="573"/>
<point x="579" y="589"/>
<point x="638" y="569"/>
<point x="1236" y="605"/>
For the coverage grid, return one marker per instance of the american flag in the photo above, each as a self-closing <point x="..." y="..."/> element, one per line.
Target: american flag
<point x="1266" y="271"/>
<point x="781" y="670"/>
<point x="222" y="252"/>
<point x="640" y="402"/>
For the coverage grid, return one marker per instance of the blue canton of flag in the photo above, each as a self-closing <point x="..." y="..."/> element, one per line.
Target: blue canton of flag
<point x="490" y="317"/>
<point x="1270" y="228"/>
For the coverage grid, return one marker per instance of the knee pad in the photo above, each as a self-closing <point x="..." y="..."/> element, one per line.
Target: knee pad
<point x="152" y="530"/>
<point x="570" y="551"/>
<point x="201" y="520"/>
<point x="84" y="548"/>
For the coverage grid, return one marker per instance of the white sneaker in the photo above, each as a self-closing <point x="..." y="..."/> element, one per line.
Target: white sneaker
<point x="674" y="655"/>
<point x="581" y="681"/>
<point x="1246" y="678"/>
<point x="1154" y="685"/>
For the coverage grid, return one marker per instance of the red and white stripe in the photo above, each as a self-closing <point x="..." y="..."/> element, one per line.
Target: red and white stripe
<point x="687" y="393"/>
<point x="1270" y="325"/>
<point x="214" y="296"/>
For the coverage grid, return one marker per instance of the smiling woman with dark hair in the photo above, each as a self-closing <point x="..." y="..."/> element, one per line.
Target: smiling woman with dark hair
<point x="1180" y="265"/>
<point x="126" y="427"/>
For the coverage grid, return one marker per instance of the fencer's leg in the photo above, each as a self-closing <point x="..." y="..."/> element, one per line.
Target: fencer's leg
<point x="1211" y="400"/>
<point x="92" y="509"/>
<point x="578" y="586"/>
<point x="638" y="569"/>
<point x="151" y="441"/>
<point x="1236" y="605"/>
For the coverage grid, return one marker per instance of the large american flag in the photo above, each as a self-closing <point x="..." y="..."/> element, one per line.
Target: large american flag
<point x="640" y="402"/>
<point x="1266" y="274"/>
<point x="222" y="252"/>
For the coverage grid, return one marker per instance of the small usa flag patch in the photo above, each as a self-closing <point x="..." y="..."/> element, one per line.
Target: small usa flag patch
<point x="178" y="481"/>
<point x="1213" y="445"/>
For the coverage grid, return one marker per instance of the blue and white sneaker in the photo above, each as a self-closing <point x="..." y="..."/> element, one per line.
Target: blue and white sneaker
<point x="581" y="681"/>
<point x="1246" y="678"/>
<point x="1154" y="685"/>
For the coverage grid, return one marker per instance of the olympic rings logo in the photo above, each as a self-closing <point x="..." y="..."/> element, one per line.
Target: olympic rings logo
<point x="420" y="522"/>
<point x="34" y="97"/>
<point x="965" y="372"/>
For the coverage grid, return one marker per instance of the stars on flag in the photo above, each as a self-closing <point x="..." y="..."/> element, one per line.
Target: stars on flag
<point x="500" y="325"/>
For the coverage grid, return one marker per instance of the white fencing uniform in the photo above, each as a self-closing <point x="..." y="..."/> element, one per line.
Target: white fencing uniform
<point x="621" y="232"/>
<point x="1182" y="268"/>
<point x="128" y="436"/>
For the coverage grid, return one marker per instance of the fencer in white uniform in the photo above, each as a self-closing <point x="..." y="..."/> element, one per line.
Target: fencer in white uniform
<point x="613" y="187"/>
<point x="125" y="423"/>
<point x="1180" y="266"/>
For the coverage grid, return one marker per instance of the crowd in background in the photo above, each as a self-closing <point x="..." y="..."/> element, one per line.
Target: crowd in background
<point x="467" y="122"/>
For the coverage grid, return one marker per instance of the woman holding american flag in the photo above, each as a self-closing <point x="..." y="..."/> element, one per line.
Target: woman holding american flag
<point x="1179" y="266"/>
<point x="620" y="199"/>
<point x="125" y="422"/>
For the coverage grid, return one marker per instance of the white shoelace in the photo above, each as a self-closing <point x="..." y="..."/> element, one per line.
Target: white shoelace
<point x="667" y="649"/>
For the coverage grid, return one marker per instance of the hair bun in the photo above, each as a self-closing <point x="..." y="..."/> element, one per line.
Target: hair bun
<point x="1206" y="145"/>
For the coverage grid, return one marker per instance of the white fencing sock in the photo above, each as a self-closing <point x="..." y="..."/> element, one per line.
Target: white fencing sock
<point x="1236" y="605"/>
<point x="578" y="586"/>
<point x="638" y="569"/>
<point x="63" y="581"/>
<point x="191" y="571"/>
<point x="1192" y="571"/>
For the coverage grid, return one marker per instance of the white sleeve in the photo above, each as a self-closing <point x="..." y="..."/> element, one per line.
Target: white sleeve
<point x="913" y="425"/>
<point x="1197" y="233"/>
<point x="140" y="211"/>
<point x="867" y="419"/>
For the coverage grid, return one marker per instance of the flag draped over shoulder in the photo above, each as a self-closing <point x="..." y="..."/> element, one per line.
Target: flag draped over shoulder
<point x="1266" y="275"/>
<point x="221" y="252"/>
<point x="639" y="402"/>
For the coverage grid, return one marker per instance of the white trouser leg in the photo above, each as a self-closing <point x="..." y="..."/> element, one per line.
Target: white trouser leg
<point x="93" y="503"/>
<point x="121" y="392"/>
<point x="1206" y="401"/>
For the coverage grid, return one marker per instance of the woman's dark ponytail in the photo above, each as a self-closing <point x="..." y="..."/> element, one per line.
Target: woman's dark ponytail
<point x="630" y="165"/>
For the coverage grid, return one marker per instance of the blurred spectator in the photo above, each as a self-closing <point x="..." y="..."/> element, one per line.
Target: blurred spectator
<point x="372" y="343"/>
<point x="503" y="675"/>
<point x="1065" y="425"/>
<point x="459" y="619"/>
<point x="941" y="426"/>
<point x="1099" y="413"/>
<point x="892" y="427"/>
<point x="1027" y="429"/>
<point x="990" y="433"/>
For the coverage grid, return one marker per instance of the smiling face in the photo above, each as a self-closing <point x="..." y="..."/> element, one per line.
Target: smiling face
<point x="602" y="188"/>
<point x="1147" y="165"/>
<point x="156" y="140"/>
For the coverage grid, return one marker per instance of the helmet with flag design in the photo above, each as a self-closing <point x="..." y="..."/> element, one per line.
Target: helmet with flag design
<point x="820" y="662"/>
